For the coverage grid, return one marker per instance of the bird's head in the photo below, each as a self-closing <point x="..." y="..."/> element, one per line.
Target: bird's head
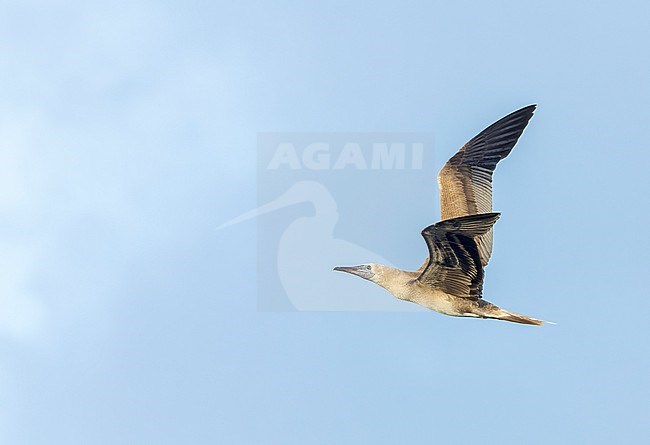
<point x="366" y="271"/>
<point x="393" y="280"/>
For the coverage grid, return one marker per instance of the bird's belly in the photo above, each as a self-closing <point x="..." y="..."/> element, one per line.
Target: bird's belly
<point x="445" y="304"/>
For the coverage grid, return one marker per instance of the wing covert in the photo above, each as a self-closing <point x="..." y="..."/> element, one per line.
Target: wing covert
<point x="465" y="181"/>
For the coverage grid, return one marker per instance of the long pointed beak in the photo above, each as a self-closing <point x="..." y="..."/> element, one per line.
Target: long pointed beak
<point x="360" y="271"/>
<point x="349" y="269"/>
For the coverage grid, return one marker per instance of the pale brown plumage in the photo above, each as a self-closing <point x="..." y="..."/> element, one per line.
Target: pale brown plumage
<point x="451" y="279"/>
<point x="465" y="181"/>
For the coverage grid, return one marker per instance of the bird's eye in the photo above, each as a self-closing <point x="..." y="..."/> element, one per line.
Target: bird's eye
<point x="367" y="267"/>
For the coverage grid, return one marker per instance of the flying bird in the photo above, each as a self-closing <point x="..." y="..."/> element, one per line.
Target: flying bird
<point x="451" y="279"/>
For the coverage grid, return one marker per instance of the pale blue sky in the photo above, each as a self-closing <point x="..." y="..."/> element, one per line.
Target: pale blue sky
<point x="128" y="134"/>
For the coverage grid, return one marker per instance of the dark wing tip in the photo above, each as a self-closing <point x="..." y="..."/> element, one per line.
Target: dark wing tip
<point x="471" y="225"/>
<point x="429" y="230"/>
<point x="528" y="108"/>
<point x="477" y="217"/>
<point x="496" y="141"/>
<point x="516" y="120"/>
<point x="524" y="114"/>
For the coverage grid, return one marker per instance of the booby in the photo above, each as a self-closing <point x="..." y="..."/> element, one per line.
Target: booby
<point x="451" y="279"/>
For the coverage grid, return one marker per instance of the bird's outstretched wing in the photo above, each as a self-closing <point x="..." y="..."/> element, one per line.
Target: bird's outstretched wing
<point x="454" y="264"/>
<point x="465" y="181"/>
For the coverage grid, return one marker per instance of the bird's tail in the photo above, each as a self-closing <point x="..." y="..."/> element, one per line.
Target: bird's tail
<point x="497" y="313"/>
<point x="518" y="318"/>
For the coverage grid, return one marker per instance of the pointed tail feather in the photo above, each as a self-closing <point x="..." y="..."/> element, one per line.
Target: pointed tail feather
<point x="488" y="310"/>
<point x="518" y="318"/>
